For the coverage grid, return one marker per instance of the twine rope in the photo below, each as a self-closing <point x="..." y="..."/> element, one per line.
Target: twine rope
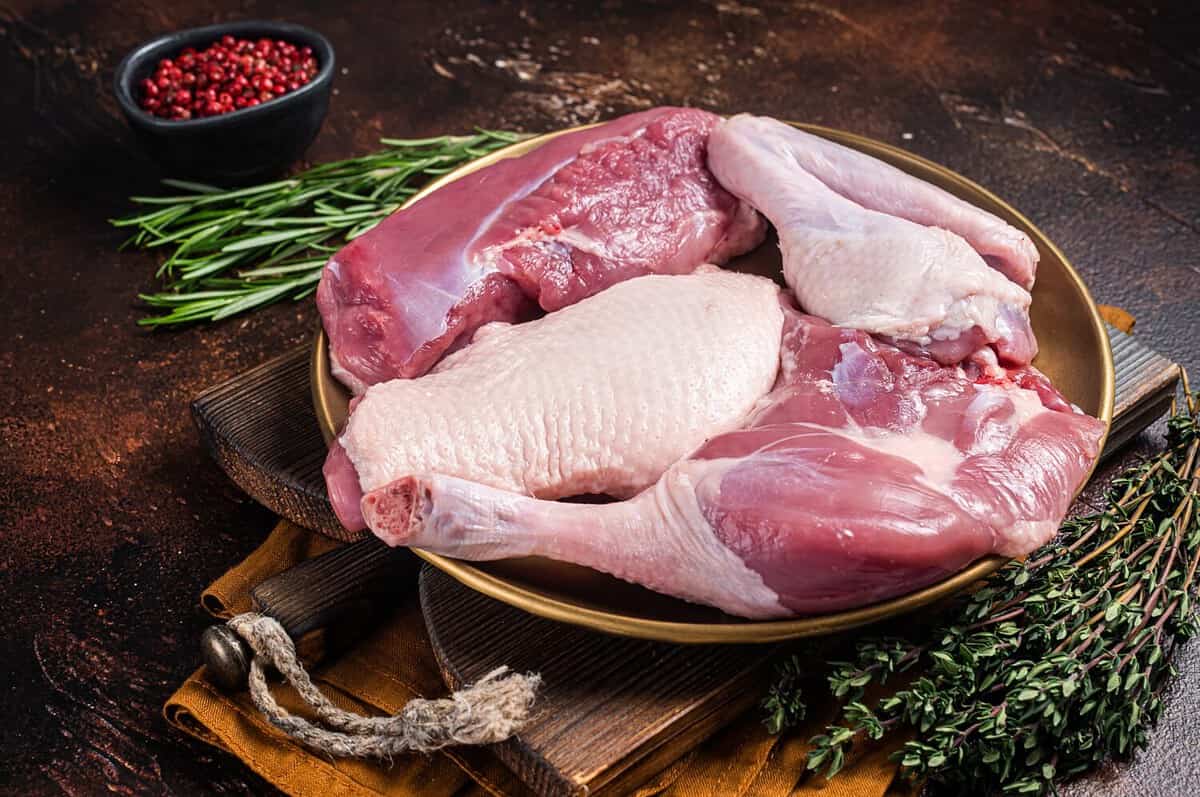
<point x="490" y="710"/>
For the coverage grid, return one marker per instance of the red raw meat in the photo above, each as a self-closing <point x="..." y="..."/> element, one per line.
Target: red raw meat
<point x="582" y="212"/>
<point x="867" y="472"/>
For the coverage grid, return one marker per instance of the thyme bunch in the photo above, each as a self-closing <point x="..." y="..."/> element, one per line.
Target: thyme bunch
<point x="232" y="250"/>
<point x="1055" y="663"/>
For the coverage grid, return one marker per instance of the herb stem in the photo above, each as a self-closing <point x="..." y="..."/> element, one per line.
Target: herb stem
<point x="231" y="251"/>
<point x="1053" y="664"/>
<point x="1124" y="531"/>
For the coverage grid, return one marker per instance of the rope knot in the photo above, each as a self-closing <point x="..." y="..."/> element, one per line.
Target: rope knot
<point x="490" y="710"/>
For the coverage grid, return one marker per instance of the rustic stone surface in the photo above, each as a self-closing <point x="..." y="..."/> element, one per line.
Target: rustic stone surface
<point x="1084" y="115"/>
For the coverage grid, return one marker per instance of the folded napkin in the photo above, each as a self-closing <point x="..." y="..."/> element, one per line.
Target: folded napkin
<point x="396" y="664"/>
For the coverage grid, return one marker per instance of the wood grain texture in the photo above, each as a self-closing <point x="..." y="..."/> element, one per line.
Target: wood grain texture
<point x="261" y="429"/>
<point x="611" y="711"/>
<point x="1086" y="115"/>
<point x="1145" y="384"/>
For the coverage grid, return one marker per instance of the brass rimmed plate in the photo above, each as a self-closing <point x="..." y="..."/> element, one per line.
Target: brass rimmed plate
<point x="1074" y="353"/>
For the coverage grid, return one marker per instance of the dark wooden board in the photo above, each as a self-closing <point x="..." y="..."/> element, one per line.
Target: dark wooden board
<point x="261" y="429"/>
<point x="611" y="711"/>
<point x="1145" y="387"/>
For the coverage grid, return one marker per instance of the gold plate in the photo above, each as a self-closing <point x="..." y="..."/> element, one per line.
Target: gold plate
<point x="1074" y="353"/>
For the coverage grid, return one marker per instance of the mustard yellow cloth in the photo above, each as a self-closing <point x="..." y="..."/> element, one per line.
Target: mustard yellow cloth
<point x="395" y="664"/>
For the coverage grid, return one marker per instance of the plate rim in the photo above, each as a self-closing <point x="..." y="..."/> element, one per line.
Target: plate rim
<point x="745" y="631"/>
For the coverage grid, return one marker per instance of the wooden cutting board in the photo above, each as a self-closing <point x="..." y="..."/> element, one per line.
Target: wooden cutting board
<point x="613" y="711"/>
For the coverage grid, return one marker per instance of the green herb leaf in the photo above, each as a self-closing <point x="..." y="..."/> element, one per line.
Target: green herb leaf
<point x="234" y="250"/>
<point x="1053" y="664"/>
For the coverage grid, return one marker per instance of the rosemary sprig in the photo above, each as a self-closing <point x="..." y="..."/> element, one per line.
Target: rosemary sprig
<point x="1051" y="666"/>
<point x="232" y="250"/>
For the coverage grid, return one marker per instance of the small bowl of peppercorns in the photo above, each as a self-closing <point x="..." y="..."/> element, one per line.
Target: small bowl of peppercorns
<point x="228" y="103"/>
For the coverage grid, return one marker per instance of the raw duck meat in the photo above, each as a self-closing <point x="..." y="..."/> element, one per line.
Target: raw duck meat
<point x="584" y="211"/>
<point x="867" y="246"/>
<point x="600" y="397"/>
<point x="867" y="472"/>
<point x="879" y="186"/>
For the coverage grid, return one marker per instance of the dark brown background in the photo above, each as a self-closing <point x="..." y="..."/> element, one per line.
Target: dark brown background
<point x="1084" y="115"/>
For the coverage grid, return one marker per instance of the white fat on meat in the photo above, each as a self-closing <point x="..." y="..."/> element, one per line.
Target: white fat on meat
<point x="599" y="397"/>
<point x="869" y="247"/>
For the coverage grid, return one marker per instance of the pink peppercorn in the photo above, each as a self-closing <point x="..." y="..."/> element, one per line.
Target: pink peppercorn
<point x="227" y="75"/>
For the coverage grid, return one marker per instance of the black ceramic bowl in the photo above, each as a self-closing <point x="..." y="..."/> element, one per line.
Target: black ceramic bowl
<point x="242" y="145"/>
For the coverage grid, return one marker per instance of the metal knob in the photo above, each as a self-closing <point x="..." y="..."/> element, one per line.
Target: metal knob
<point x="328" y="600"/>
<point x="226" y="657"/>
